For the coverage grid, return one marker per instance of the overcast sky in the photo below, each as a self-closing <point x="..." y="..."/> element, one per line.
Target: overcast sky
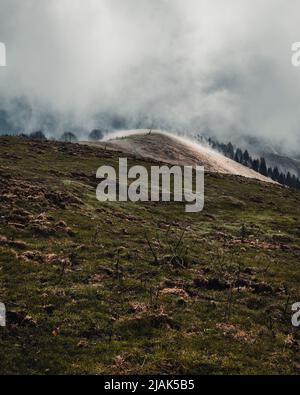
<point x="220" y="65"/>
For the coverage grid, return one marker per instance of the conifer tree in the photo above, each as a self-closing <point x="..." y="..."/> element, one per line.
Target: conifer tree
<point x="263" y="167"/>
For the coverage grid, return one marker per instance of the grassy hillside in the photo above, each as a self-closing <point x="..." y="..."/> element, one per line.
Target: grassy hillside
<point x="96" y="288"/>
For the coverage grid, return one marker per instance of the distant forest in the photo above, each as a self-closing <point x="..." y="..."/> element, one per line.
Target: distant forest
<point x="257" y="164"/>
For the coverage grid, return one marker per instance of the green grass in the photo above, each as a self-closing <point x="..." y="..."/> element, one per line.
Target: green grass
<point x="108" y="308"/>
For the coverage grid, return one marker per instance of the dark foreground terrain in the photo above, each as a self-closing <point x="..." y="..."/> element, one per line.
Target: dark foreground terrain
<point x="94" y="288"/>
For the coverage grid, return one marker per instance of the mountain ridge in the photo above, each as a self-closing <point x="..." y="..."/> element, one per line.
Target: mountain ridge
<point x="175" y="150"/>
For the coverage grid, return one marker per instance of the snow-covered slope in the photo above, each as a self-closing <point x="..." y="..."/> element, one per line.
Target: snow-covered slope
<point x="172" y="149"/>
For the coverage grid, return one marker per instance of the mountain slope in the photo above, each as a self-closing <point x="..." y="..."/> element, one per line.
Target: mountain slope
<point x="86" y="295"/>
<point x="176" y="150"/>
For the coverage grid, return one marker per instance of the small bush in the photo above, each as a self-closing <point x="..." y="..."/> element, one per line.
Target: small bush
<point x="69" y="137"/>
<point x="38" y="135"/>
<point x="96" y="135"/>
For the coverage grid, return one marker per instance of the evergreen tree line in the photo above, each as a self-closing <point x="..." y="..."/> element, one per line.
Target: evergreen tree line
<point x="257" y="164"/>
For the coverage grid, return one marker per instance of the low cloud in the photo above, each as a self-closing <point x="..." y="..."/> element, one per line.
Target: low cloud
<point x="222" y="66"/>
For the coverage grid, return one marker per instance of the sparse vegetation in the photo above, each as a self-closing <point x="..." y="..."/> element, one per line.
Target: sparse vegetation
<point x="135" y="288"/>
